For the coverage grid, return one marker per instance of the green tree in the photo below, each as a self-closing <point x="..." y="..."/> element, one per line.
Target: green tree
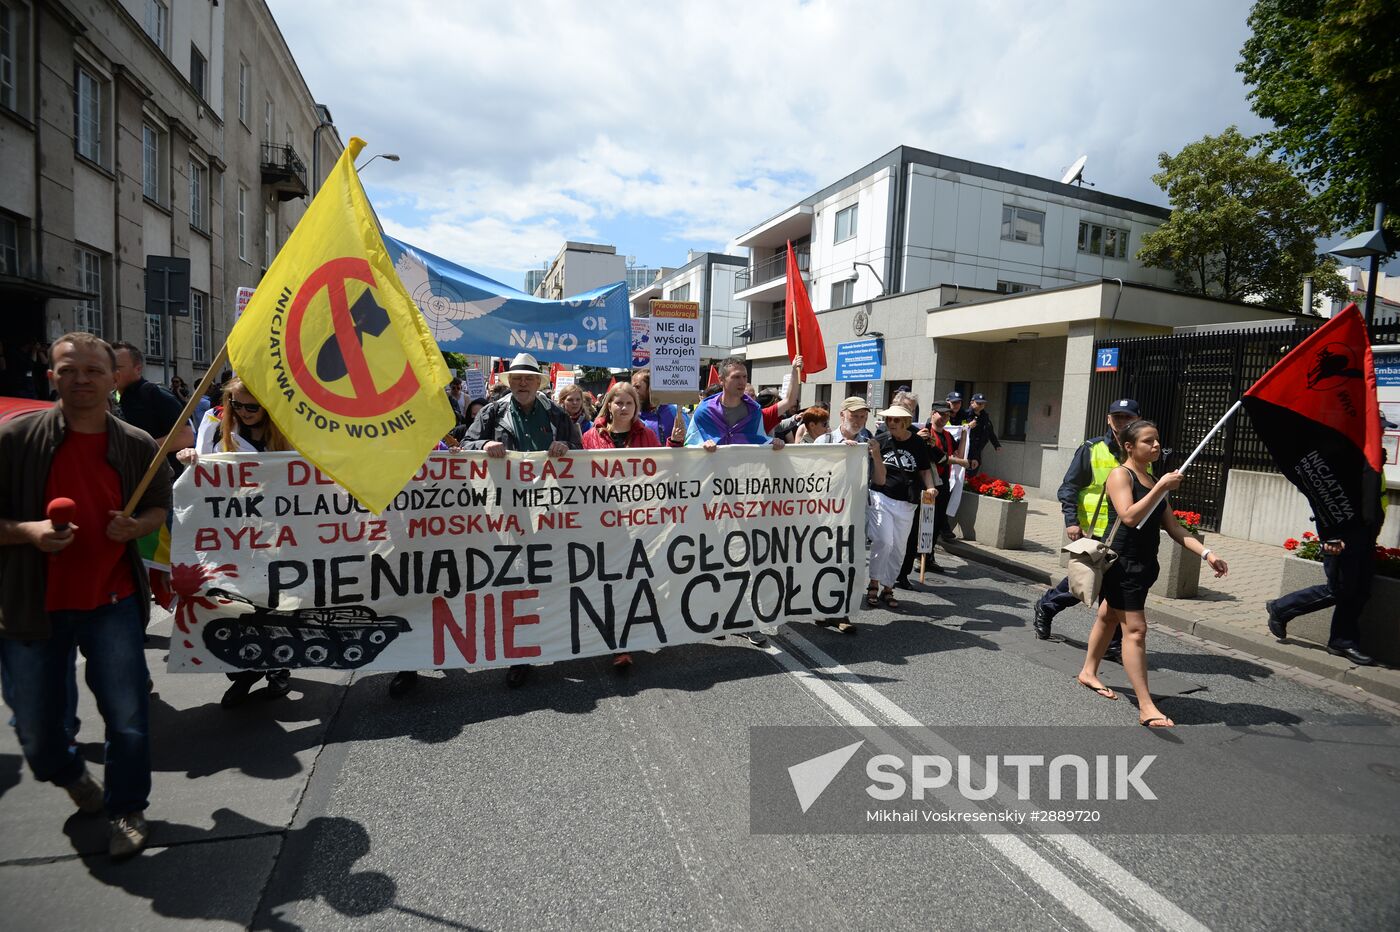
<point x="1241" y="226"/>
<point x="456" y="362"/>
<point x="1327" y="74"/>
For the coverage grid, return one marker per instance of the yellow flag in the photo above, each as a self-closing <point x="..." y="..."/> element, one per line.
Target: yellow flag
<point x="337" y="352"/>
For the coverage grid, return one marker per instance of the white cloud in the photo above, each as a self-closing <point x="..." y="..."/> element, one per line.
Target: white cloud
<point x="523" y="124"/>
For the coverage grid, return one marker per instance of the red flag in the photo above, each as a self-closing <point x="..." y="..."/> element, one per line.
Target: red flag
<point x="1317" y="413"/>
<point x="612" y="382"/>
<point x="804" y="335"/>
<point x="714" y="376"/>
<point x="554" y="370"/>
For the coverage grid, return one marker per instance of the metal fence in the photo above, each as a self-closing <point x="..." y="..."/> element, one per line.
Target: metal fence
<point x="1185" y="382"/>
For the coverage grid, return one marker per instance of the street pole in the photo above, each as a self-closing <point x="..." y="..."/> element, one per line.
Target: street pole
<point x="1375" y="269"/>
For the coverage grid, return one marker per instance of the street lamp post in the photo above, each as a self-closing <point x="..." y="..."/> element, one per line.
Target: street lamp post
<point x="1374" y="244"/>
<point x="387" y="156"/>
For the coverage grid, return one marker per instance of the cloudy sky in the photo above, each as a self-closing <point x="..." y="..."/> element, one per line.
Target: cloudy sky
<point x="662" y="127"/>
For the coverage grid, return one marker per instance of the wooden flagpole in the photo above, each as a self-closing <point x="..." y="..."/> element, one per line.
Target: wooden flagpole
<point x="185" y="415"/>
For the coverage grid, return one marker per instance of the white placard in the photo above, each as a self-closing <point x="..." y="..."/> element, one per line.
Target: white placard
<point x="675" y="346"/>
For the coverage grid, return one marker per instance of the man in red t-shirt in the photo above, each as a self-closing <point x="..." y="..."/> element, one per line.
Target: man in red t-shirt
<point x="80" y="582"/>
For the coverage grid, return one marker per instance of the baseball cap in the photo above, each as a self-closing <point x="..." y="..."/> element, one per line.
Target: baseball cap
<point x="941" y="406"/>
<point x="1125" y="406"/>
<point x="954" y="396"/>
<point x="855" y="403"/>
<point x="980" y="397"/>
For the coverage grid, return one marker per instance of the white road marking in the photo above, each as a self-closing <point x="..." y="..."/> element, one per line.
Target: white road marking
<point x="1012" y="847"/>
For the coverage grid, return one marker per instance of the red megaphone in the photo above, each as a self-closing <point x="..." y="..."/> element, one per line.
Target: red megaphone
<point x="60" y="512"/>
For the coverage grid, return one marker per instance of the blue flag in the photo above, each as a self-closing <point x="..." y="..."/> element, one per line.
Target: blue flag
<point x="469" y="313"/>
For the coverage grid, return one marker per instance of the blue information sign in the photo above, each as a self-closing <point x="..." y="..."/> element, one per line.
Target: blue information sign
<point x="1387" y="371"/>
<point x="859" y="361"/>
<point x="1106" y="359"/>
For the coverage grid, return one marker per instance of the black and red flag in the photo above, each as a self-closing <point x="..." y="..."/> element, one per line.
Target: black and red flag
<point x="1317" y="413"/>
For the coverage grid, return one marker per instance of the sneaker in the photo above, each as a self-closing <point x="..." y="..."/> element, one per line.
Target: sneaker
<point x="129" y="835"/>
<point x="86" y="794"/>
<point x="403" y="683"/>
<point x="755" y="638"/>
<point x="1277" y="626"/>
<point x="1041" y="622"/>
<point x="279" y="683"/>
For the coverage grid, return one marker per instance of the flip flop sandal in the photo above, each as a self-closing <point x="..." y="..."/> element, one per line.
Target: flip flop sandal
<point x="1103" y="691"/>
<point x="1160" y="721"/>
<point x="872" y="597"/>
<point x="888" y="598"/>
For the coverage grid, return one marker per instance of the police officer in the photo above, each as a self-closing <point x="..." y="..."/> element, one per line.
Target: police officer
<point x="982" y="432"/>
<point x="1079" y="497"/>
<point x="957" y="414"/>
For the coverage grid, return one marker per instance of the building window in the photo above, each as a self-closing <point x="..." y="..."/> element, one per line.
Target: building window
<point x="199" y="196"/>
<point x="1098" y="240"/>
<point x="9" y="246"/>
<point x="846" y="223"/>
<point x="1018" y="406"/>
<point x="1015" y="287"/>
<point x="269" y="236"/>
<point x="243" y="223"/>
<point x="243" y="80"/>
<point x="157" y="15"/>
<point x="87" y="115"/>
<point x="842" y="294"/>
<point x="150" y="162"/>
<point x="88" y="312"/>
<point x="9" y="54"/>
<point x="199" y="325"/>
<point x="155" y="336"/>
<point x="198" y="73"/>
<point x="267" y="122"/>
<point x="680" y="294"/>
<point x="1023" y="225"/>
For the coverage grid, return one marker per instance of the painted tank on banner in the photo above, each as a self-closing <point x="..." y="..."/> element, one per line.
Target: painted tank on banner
<point x="343" y="638"/>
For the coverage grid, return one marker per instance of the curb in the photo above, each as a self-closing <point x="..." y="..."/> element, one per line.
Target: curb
<point x="1311" y="661"/>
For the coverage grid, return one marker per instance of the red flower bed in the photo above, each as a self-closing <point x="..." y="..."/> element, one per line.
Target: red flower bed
<point x="983" y="484"/>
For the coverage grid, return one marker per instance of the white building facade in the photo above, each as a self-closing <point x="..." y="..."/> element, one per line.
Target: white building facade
<point x="921" y="219"/>
<point x="709" y="279"/>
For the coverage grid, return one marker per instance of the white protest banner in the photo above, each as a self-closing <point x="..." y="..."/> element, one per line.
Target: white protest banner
<point x="487" y="562"/>
<point x="675" y="348"/>
<point x="474" y="380"/>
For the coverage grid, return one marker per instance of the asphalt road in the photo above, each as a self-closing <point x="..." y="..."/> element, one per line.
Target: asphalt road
<point x="587" y="800"/>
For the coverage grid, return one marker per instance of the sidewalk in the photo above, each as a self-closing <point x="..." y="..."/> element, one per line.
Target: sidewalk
<point x="1228" y="611"/>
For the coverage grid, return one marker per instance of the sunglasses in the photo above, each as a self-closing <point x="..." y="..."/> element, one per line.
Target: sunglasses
<point x="251" y="408"/>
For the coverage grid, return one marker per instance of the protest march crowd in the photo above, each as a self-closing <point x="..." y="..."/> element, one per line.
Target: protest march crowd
<point x="84" y="481"/>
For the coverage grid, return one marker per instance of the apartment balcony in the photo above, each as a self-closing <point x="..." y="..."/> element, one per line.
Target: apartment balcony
<point x="774" y="328"/>
<point x="792" y="224"/>
<point x="284" y="172"/>
<point x="767" y="281"/>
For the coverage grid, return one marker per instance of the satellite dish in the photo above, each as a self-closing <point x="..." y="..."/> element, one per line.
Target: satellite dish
<point x="1076" y="171"/>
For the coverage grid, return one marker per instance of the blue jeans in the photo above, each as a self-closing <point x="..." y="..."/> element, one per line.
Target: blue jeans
<point x="70" y="718"/>
<point x="112" y="638"/>
<point x="1349" y="576"/>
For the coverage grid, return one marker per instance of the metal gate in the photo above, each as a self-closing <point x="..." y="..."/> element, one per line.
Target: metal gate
<point x="1185" y="382"/>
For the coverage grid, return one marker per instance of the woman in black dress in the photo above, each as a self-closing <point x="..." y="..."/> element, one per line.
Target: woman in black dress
<point x="1141" y="502"/>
